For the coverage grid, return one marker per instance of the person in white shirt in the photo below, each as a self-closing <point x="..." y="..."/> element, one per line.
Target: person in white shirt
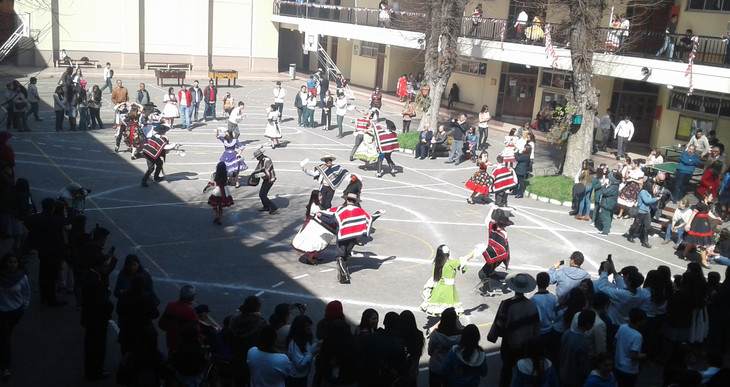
<point x="702" y="146"/>
<point x="108" y="77"/>
<point x="624" y="133"/>
<point x="268" y="368"/>
<point x="234" y="117"/>
<point x="341" y="104"/>
<point x="521" y="25"/>
<point x="279" y="95"/>
<point x="679" y="220"/>
<point x="33" y="98"/>
<point x="628" y="348"/>
<point x="624" y="27"/>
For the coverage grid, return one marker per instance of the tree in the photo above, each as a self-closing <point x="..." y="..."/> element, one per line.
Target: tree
<point x="443" y="24"/>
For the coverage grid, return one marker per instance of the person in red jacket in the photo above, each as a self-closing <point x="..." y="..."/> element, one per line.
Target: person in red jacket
<point x="177" y="314"/>
<point x="710" y="182"/>
<point x="185" y="101"/>
<point x="209" y="97"/>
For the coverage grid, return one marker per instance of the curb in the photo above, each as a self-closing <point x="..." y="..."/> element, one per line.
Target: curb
<point x="543" y="199"/>
<point x="409" y="151"/>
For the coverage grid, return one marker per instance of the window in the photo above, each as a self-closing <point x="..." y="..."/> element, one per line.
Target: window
<point x="709" y="5"/>
<point x="687" y="126"/>
<point x="556" y="80"/>
<point x="553" y="99"/>
<point x="369" y="49"/>
<point x="468" y="66"/>
<point x="711" y="104"/>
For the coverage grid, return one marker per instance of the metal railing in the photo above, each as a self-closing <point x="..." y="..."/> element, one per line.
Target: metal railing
<point x="711" y="51"/>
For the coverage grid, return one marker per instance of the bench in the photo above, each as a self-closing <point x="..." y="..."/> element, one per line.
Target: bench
<point x="458" y="105"/>
<point x="168" y="66"/>
<point x="76" y="63"/>
<point x="223" y="74"/>
<point x="161" y="74"/>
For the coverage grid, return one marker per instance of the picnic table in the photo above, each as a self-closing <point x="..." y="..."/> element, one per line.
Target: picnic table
<point x="669" y="167"/>
<point x="673" y="149"/>
<point x="223" y="74"/>
<point x="161" y="74"/>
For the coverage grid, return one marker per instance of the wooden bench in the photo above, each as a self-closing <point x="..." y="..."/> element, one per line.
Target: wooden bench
<point x="223" y="74"/>
<point x="76" y="63"/>
<point x="161" y="74"/>
<point x="458" y="105"/>
<point x="168" y="66"/>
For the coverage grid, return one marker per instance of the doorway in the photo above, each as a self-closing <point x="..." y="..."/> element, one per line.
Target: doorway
<point x="380" y="66"/>
<point x="518" y="92"/>
<point x="641" y="107"/>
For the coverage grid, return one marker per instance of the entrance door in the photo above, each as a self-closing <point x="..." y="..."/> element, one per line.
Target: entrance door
<point x="380" y="66"/>
<point x="519" y="95"/>
<point x="641" y="108"/>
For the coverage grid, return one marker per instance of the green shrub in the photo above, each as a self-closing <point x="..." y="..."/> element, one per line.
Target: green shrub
<point x="554" y="187"/>
<point x="408" y="140"/>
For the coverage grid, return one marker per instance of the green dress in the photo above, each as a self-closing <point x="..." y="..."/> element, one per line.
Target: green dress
<point x="444" y="294"/>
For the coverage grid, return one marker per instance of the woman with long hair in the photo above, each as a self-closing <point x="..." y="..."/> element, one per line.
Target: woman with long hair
<point x="132" y="266"/>
<point x="273" y="131"/>
<point x="407" y="113"/>
<point x="59" y="107"/>
<point x="15" y="288"/>
<point x="327" y="103"/>
<point x="170" y="111"/>
<point x="301" y="350"/>
<point x="444" y="335"/>
<point x="95" y="108"/>
<point x="479" y="182"/>
<point x="313" y="237"/>
<point x="472" y="141"/>
<point x="414" y="345"/>
<point x="309" y="105"/>
<point x="368" y="322"/>
<point x="444" y="271"/>
<point x="628" y="195"/>
<point x="585" y="177"/>
<point x="483" y="126"/>
<point x="710" y="182"/>
<point x="659" y="288"/>
<point x="466" y="363"/>
<point x="510" y="147"/>
<point x="220" y="197"/>
<point x="339" y="360"/>
<point x="535" y="369"/>
<point x="699" y="230"/>
<point x="232" y="156"/>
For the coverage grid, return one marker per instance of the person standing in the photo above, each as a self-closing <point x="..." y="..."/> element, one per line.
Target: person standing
<point x="184" y="100"/>
<point x="607" y="127"/>
<point x="341" y="104"/>
<point x="273" y="131"/>
<point x="154" y="152"/>
<point x="568" y="278"/>
<point x="33" y="98"/>
<point x="268" y="366"/>
<point x="607" y="203"/>
<point x="279" y="95"/>
<point x="443" y="290"/>
<point x="466" y="363"/>
<point x="327" y="104"/>
<point x="642" y="221"/>
<point x="209" y="96"/>
<point x="300" y="104"/>
<point x="483" y="126"/>
<point x="59" y="108"/>
<point x="522" y="169"/>
<point x="177" y="314"/>
<point x="424" y="142"/>
<point x="376" y="99"/>
<point x="352" y="223"/>
<point x="143" y="97"/>
<point x="46" y="236"/>
<point x="628" y="348"/>
<point x="517" y="321"/>
<point x="575" y="359"/>
<point x="265" y="171"/>
<point x="94" y="102"/>
<point x="96" y="309"/>
<point x="459" y="130"/>
<point x="700" y="142"/>
<point x="236" y="115"/>
<point x="108" y="75"/>
<point x="624" y="133"/>
<point x="119" y="94"/>
<point x="220" y="197"/>
<point x="309" y="105"/>
<point x="624" y="27"/>
<point x="197" y="96"/>
<point x="14" y="301"/>
<point x="503" y="179"/>
<point x="408" y="113"/>
<point x="668" y="38"/>
<point x="170" y="111"/>
<point x="688" y="161"/>
<point x="330" y="176"/>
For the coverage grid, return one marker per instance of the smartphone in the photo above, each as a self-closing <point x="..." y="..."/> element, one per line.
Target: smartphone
<point x="562" y="262"/>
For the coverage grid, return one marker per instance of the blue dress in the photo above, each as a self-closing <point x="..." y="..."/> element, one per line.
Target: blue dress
<point x="234" y="164"/>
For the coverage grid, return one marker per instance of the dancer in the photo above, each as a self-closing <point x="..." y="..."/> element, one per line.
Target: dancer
<point x="220" y="197"/>
<point x="330" y="176"/>
<point x="479" y="182"/>
<point x="442" y="287"/>
<point x="510" y="147"/>
<point x="386" y="141"/>
<point x="496" y="249"/>
<point x="273" y="132"/>
<point x="699" y="230"/>
<point x="170" y="111"/>
<point x="154" y="151"/>
<point x="264" y="170"/>
<point x="354" y="186"/>
<point x="367" y="150"/>
<point x="232" y="156"/>
<point x="352" y="222"/>
<point x="503" y="179"/>
<point x="314" y="236"/>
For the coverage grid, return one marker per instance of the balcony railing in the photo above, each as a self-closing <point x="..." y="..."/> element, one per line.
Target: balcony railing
<point x="712" y="51"/>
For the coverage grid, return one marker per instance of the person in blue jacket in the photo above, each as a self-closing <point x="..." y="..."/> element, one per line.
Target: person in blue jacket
<point x="686" y="167"/>
<point x="642" y="222"/>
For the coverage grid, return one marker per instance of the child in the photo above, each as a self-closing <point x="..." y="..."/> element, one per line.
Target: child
<point x="602" y="375"/>
<point x="628" y="348"/>
<point x="504" y="179"/>
<point x="679" y="220"/>
<point x="220" y="197"/>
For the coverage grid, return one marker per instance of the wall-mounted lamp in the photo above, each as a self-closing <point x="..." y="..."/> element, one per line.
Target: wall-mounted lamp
<point x="645" y="71"/>
<point x="670" y="87"/>
<point x="528" y="66"/>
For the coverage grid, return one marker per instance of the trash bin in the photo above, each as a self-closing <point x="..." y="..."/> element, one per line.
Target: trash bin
<point x="293" y="71"/>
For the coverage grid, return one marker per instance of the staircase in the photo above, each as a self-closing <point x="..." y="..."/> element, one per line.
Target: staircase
<point x="330" y="68"/>
<point x="20" y="32"/>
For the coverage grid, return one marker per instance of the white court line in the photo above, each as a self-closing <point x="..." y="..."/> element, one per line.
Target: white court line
<point x="301" y="276"/>
<point x="276" y="285"/>
<point x="429" y="261"/>
<point x="257" y="294"/>
<point x="326" y="270"/>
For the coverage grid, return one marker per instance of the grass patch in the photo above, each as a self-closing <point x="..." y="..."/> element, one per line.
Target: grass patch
<point x="408" y="140"/>
<point x="554" y="187"/>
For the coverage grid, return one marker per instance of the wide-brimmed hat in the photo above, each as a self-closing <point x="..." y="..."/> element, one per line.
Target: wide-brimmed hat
<point x="520" y="282"/>
<point x="258" y="153"/>
<point x="187" y="292"/>
<point x="501" y="216"/>
<point x="351" y="196"/>
<point x="328" y="157"/>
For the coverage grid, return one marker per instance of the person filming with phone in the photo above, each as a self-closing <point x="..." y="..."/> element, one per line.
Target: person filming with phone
<point x="568" y="277"/>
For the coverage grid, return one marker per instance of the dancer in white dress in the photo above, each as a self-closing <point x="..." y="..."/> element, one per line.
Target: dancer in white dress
<point x="313" y="237"/>
<point x="273" y="132"/>
<point x="170" y="111"/>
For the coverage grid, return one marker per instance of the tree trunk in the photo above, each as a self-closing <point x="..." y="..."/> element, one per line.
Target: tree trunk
<point x="586" y="16"/>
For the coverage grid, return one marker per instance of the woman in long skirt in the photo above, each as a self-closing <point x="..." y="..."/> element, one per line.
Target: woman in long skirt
<point x="368" y="151"/>
<point x="629" y="193"/>
<point x="312" y="238"/>
<point x="170" y="110"/>
<point x="232" y="156"/>
<point x="442" y="282"/>
<point x="220" y="197"/>
<point x="479" y="182"/>
<point x="699" y="229"/>
<point x="273" y="132"/>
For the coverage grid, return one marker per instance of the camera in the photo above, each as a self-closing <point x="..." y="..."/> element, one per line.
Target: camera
<point x="562" y="262"/>
<point x="301" y="307"/>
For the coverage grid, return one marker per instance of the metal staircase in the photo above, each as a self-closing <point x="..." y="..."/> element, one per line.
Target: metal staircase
<point x="20" y="32"/>
<point x="330" y="68"/>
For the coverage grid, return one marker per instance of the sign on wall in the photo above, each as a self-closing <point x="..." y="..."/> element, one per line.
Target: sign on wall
<point x="310" y="42"/>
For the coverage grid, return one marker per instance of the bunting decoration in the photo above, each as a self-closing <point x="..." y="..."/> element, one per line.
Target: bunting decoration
<point x="549" y="49"/>
<point x="501" y="34"/>
<point x="690" y="64"/>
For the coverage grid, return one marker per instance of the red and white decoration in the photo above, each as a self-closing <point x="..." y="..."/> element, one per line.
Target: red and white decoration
<point x="549" y="49"/>
<point x="690" y="64"/>
<point x="501" y="34"/>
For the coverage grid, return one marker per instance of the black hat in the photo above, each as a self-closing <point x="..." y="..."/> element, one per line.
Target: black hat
<point x="352" y="196"/>
<point x="202" y="308"/>
<point x="328" y="157"/>
<point x="501" y="216"/>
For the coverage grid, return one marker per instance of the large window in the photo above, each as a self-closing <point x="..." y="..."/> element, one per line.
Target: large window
<point x="469" y="66"/>
<point x="556" y="80"/>
<point x="369" y="49"/>
<point x="687" y="126"/>
<point x="711" y="104"/>
<point x="709" y="5"/>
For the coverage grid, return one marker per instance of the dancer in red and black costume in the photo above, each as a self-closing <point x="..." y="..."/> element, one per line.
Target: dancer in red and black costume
<point x="221" y="196"/>
<point x="496" y="250"/>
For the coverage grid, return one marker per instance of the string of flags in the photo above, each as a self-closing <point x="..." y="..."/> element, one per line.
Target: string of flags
<point x="690" y="64"/>
<point x="501" y="34"/>
<point x="549" y="49"/>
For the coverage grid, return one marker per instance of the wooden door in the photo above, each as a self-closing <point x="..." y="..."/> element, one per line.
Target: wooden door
<point x="519" y="95"/>
<point x="380" y="66"/>
<point x="641" y="108"/>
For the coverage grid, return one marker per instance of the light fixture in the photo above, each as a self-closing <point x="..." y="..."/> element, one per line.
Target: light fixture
<point x="528" y="66"/>
<point x="645" y="71"/>
<point x="670" y="87"/>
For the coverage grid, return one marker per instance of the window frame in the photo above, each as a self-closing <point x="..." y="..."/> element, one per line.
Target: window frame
<point x="566" y="76"/>
<point x="369" y="46"/>
<point x="460" y="61"/>
<point x="684" y="119"/>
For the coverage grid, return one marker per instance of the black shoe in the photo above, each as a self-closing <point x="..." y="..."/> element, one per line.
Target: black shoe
<point x="116" y="149"/>
<point x="392" y="173"/>
<point x="457" y="163"/>
<point x="421" y="158"/>
<point x="448" y="162"/>
<point x="631" y="240"/>
<point x="144" y="183"/>
<point x="263" y="209"/>
<point x="618" y="158"/>
<point x="380" y="174"/>
<point x="573" y="213"/>
<point x="273" y="211"/>
<point x="519" y="196"/>
<point x="158" y="178"/>
<point x="646" y="244"/>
